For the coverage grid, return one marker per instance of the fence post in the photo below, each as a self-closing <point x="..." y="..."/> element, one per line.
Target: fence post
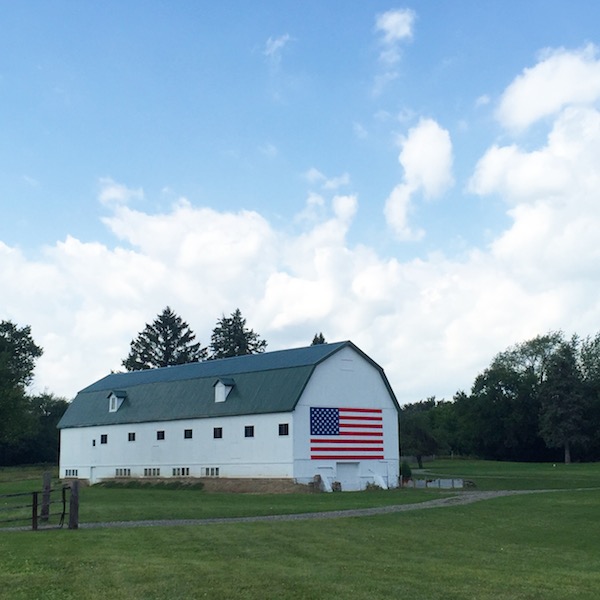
<point x="47" y="484"/>
<point x="74" y="505"/>
<point x="34" y="511"/>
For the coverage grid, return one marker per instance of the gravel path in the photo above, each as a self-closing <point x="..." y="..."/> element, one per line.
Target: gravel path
<point x="456" y="500"/>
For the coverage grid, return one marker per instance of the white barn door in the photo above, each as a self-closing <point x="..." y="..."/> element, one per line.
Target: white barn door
<point x="347" y="473"/>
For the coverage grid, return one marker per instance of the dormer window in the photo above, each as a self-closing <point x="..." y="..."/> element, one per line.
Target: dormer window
<point x="222" y="388"/>
<point x="115" y="399"/>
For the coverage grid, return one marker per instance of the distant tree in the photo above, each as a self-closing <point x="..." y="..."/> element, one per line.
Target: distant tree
<point x="318" y="339"/>
<point x="563" y="405"/>
<point x="167" y="341"/>
<point x="39" y="442"/>
<point x="417" y="436"/>
<point x="18" y="353"/>
<point x="231" y="337"/>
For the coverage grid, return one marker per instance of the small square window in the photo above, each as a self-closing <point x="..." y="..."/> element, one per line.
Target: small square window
<point x="131" y="436"/>
<point x="104" y="438"/>
<point x="249" y="431"/>
<point x="160" y="434"/>
<point x="187" y="434"/>
<point x="284" y="429"/>
<point x="218" y="433"/>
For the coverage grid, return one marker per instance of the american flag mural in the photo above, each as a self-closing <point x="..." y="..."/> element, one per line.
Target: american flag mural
<point x="346" y="433"/>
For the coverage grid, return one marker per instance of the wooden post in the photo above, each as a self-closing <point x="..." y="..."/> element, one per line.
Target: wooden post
<point x="74" y="505"/>
<point x="34" y="511"/>
<point x="47" y="484"/>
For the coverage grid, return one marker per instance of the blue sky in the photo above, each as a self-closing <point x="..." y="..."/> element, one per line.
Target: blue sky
<point x="418" y="178"/>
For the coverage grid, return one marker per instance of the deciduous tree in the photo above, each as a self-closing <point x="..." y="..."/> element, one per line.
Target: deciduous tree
<point x="563" y="405"/>
<point x="18" y="353"/>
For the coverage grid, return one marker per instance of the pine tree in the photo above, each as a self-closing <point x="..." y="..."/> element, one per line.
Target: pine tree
<point x="318" y="339"/>
<point x="167" y="341"/>
<point x="230" y="337"/>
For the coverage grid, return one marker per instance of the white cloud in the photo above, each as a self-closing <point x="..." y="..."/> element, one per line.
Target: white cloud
<point x="397" y="210"/>
<point x="112" y="192"/>
<point x="482" y="100"/>
<point x="432" y="322"/>
<point x="315" y="177"/>
<point x="274" y="48"/>
<point x="561" y="78"/>
<point x="394" y="28"/>
<point x="426" y="157"/>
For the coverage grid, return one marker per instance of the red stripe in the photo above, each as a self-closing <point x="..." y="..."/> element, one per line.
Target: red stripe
<point x="345" y="449"/>
<point x="363" y="433"/>
<point x="360" y="426"/>
<point x="341" y="456"/>
<point x="344" y="441"/>
<point x="349" y="418"/>
<point x="361" y="410"/>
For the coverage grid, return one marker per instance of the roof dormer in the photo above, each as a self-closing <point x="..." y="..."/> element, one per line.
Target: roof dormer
<point x="222" y="388"/>
<point x="115" y="399"/>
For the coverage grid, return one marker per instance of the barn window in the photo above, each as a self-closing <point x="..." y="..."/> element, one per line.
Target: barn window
<point x="104" y="438"/>
<point x="160" y="434"/>
<point x="284" y="429"/>
<point x="187" y="434"/>
<point x="218" y="433"/>
<point x="249" y="431"/>
<point x="131" y="436"/>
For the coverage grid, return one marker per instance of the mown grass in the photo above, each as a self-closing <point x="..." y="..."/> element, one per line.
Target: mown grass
<point x="489" y="475"/>
<point x="542" y="546"/>
<point x="98" y="504"/>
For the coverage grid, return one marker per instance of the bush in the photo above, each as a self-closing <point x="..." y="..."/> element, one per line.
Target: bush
<point x="405" y="471"/>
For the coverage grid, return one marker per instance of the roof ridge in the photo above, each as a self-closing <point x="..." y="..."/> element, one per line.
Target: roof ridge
<point x="248" y="363"/>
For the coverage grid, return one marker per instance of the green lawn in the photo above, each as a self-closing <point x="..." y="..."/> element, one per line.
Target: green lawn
<point x="488" y="475"/>
<point x="539" y="546"/>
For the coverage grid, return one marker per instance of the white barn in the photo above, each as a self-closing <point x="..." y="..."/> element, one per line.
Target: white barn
<point x="326" y="409"/>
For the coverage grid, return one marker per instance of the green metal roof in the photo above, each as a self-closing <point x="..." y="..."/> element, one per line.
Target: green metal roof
<point x="264" y="383"/>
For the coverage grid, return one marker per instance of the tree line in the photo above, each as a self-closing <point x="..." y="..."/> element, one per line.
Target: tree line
<point x="28" y="422"/>
<point x="537" y="401"/>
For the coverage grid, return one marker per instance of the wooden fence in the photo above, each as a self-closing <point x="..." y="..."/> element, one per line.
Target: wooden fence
<point x="44" y="509"/>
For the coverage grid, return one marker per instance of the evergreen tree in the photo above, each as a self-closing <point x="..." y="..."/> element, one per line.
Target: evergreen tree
<point x="167" y="341"/>
<point x="230" y="337"/>
<point x="318" y="339"/>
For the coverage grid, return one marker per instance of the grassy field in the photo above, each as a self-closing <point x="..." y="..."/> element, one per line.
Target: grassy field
<point x="489" y="475"/>
<point x="539" y="546"/>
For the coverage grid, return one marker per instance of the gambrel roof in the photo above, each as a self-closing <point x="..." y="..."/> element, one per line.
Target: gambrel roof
<point x="269" y="382"/>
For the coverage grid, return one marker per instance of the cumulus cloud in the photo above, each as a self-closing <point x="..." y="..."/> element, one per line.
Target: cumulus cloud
<point x="561" y="78"/>
<point x="426" y="157"/>
<point x="433" y="322"/>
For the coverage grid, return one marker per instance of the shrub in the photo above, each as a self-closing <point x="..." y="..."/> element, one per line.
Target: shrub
<point x="405" y="471"/>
